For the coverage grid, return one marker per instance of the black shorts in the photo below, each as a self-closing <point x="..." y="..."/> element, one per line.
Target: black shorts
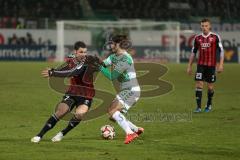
<point x="205" y="73"/>
<point x="73" y="101"/>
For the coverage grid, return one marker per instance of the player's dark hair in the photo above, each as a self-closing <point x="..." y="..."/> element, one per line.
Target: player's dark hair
<point x="119" y="38"/>
<point x="79" y="44"/>
<point x="123" y="40"/>
<point x="205" y="20"/>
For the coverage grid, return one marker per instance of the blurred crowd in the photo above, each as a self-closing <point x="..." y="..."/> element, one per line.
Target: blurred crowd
<point x="169" y="9"/>
<point x="26" y="40"/>
<point x="67" y="9"/>
<point x="180" y="10"/>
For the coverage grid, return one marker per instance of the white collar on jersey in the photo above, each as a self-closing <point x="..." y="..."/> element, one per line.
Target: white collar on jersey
<point x="205" y="36"/>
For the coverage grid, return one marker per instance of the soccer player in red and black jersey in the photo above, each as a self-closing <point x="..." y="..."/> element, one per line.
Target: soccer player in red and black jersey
<point x="209" y="48"/>
<point x="79" y="94"/>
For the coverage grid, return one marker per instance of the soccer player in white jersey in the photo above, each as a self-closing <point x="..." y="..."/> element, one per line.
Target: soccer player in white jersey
<point x="124" y="72"/>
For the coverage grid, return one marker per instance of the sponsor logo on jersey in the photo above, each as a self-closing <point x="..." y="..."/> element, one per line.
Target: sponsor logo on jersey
<point x="205" y="45"/>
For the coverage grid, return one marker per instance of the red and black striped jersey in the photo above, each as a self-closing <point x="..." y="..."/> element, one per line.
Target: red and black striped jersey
<point x="209" y="47"/>
<point x="81" y="78"/>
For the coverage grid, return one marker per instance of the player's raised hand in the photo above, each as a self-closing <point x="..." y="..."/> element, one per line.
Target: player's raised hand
<point x="45" y="73"/>
<point x="93" y="60"/>
<point x="189" y="70"/>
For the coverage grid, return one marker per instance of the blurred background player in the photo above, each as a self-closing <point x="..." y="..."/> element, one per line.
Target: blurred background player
<point x="124" y="72"/>
<point x="79" y="94"/>
<point x="209" y="47"/>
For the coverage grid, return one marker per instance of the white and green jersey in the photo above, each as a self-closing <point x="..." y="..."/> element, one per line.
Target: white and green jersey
<point x="124" y="66"/>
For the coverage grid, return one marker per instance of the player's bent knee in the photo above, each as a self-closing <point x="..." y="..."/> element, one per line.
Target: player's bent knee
<point x="81" y="110"/>
<point x="61" y="110"/>
<point x="80" y="115"/>
<point x="210" y="87"/>
<point x="60" y="114"/>
<point x="199" y="84"/>
<point x="110" y="111"/>
<point x="115" y="106"/>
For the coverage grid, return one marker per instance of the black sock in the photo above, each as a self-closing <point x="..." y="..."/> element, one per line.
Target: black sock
<point x="198" y="97"/>
<point x="51" y="122"/>
<point x="72" y="123"/>
<point x="210" y="95"/>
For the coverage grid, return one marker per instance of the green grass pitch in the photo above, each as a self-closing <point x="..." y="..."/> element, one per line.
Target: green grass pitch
<point x="27" y="101"/>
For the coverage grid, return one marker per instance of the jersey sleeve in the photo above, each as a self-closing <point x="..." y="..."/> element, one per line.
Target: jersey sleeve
<point x="67" y="73"/>
<point x="118" y="69"/>
<point x="195" y="46"/>
<point x="220" y="46"/>
<point x="111" y="75"/>
<point x="108" y="61"/>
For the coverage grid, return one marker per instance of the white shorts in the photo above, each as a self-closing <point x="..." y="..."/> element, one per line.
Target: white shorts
<point x="128" y="97"/>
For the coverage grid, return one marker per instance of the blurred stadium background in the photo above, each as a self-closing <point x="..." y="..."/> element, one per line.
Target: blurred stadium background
<point x="29" y="28"/>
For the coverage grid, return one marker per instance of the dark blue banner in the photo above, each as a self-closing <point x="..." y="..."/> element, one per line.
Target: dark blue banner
<point x="27" y="52"/>
<point x="43" y="53"/>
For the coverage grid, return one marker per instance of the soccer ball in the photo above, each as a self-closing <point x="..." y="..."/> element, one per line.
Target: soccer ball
<point x="107" y="132"/>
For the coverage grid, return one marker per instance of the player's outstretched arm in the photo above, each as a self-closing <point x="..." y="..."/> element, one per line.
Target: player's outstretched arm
<point x="63" y="73"/>
<point x="44" y="73"/>
<point x="94" y="62"/>
<point x="110" y="75"/>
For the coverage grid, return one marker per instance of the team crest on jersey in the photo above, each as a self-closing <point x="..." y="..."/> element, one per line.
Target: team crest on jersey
<point x="210" y="39"/>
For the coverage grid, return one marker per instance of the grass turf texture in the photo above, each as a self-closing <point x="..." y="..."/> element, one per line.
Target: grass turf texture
<point x="27" y="102"/>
